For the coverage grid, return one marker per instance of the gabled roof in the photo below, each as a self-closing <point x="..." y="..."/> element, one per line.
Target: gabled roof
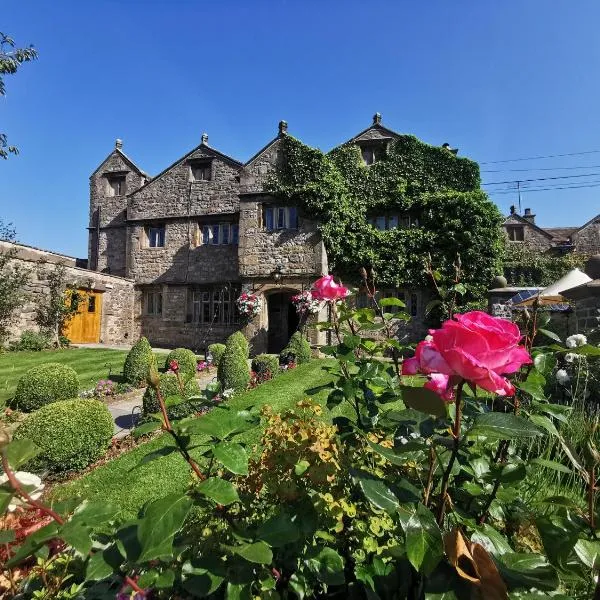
<point x="524" y="221"/>
<point x="202" y="146"/>
<point x="561" y="233"/>
<point x="126" y="158"/>
<point x="375" y="126"/>
<point x="597" y="217"/>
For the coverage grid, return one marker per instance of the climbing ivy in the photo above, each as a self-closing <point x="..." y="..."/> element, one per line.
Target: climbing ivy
<point x="441" y="190"/>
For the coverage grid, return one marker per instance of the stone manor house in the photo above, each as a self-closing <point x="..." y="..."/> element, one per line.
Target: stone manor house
<point x="196" y="235"/>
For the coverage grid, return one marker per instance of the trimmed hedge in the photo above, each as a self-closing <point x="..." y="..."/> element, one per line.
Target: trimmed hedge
<point x="70" y="433"/>
<point x="34" y="341"/>
<point x="135" y="369"/>
<point x="299" y="347"/>
<point x="187" y="360"/>
<point x="265" y="363"/>
<point x="216" y="351"/>
<point x="44" y="384"/>
<point x="234" y="373"/>
<point x="170" y="387"/>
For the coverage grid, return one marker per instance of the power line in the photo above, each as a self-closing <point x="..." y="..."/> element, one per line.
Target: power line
<point x="593" y="184"/>
<point x="496" y="162"/>
<point x="539" y="169"/>
<point x="543" y="178"/>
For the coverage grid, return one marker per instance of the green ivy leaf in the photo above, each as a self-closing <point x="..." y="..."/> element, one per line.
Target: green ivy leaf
<point x="233" y="456"/>
<point x="503" y="426"/>
<point x="162" y="519"/>
<point x="327" y="566"/>
<point x="588" y="553"/>
<point x="424" y="545"/>
<point x="219" y="490"/>
<point x="279" y="530"/>
<point x="424" y="400"/>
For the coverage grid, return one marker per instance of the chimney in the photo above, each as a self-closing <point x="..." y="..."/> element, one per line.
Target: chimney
<point x="118" y="143"/>
<point x="283" y="127"/>
<point x="377" y="119"/>
<point x="528" y="216"/>
<point x="205" y="139"/>
<point x="513" y="209"/>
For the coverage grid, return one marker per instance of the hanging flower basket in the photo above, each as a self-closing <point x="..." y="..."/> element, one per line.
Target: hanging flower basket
<point x="306" y="304"/>
<point x="249" y="305"/>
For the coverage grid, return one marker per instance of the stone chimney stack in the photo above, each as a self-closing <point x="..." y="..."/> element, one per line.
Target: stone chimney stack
<point x="283" y="127"/>
<point x="377" y="119"/>
<point x="118" y="143"/>
<point x="529" y="216"/>
<point x="205" y="139"/>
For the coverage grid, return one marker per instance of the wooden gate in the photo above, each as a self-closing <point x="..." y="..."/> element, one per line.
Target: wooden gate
<point x="84" y="327"/>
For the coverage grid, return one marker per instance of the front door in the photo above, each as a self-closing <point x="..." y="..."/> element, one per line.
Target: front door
<point x="84" y="327"/>
<point x="283" y="321"/>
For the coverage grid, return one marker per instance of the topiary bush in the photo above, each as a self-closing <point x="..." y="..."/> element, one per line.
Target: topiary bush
<point x="266" y="366"/>
<point x="70" y="433"/>
<point x="186" y="359"/>
<point x="169" y="386"/>
<point x="135" y="369"/>
<point x="216" y="351"/>
<point x="299" y="347"/>
<point x="43" y="384"/>
<point x="233" y="373"/>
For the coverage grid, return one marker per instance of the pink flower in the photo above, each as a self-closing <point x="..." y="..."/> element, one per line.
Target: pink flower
<point x="174" y="366"/>
<point x="441" y="385"/>
<point x="475" y="347"/>
<point x="327" y="289"/>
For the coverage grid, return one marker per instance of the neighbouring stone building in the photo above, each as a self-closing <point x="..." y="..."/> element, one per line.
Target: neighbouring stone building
<point x="202" y="231"/>
<point x="523" y="230"/>
<point x="106" y="313"/>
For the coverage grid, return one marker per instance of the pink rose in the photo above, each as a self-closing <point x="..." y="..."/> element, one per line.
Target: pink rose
<point x="475" y="347"/>
<point x="327" y="289"/>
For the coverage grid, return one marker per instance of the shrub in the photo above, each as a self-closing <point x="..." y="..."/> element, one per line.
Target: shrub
<point x="135" y="369"/>
<point x="71" y="434"/>
<point x="216" y="351"/>
<point x="185" y="358"/>
<point x="266" y="366"/>
<point x="233" y="370"/>
<point x="43" y="384"/>
<point x="239" y="339"/>
<point x="32" y="340"/>
<point x="169" y="386"/>
<point x="299" y="347"/>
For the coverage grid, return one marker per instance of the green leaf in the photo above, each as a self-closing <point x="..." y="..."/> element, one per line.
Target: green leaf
<point x="257" y="552"/>
<point x="424" y="545"/>
<point x="6" y="495"/>
<point x="327" y="565"/>
<point x="300" y="467"/>
<point x="551" y="464"/>
<point x="549" y="334"/>
<point x="96" y="513"/>
<point x="146" y="428"/>
<point x="162" y="519"/>
<point x="396" y="457"/>
<point x="219" y="423"/>
<point x="544" y="362"/>
<point x="589" y="553"/>
<point x="532" y="388"/>
<point x="503" y="426"/>
<point x="279" y="530"/>
<point x="586" y="350"/>
<point x="527" y="570"/>
<point x="203" y="577"/>
<point x="219" y="490"/>
<point x="493" y="541"/>
<point x="33" y="543"/>
<point x="377" y="492"/>
<point x="545" y="423"/>
<point x="239" y="591"/>
<point x="424" y="400"/>
<point x="154" y="455"/>
<point x="97" y="567"/>
<point x="233" y="456"/>
<point x="391" y="301"/>
<point x="78" y="536"/>
<point x="18" y="452"/>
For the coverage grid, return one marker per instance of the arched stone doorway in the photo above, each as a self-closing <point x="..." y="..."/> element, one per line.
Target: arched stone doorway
<point x="282" y="320"/>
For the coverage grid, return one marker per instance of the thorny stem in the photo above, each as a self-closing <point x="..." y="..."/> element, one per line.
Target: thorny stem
<point x="455" y="448"/>
<point x="169" y="428"/>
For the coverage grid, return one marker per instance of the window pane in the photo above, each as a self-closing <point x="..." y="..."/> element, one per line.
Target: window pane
<point x="414" y="305"/>
<point x="392" y="221"/>
<point x="206" y="234"/>
<point x="225" y="234"/>
<point x="215" y="234"/>
<point x="380" y="223"/>
<point x="235" y="234"/>
<point x="367" y="154"/>
<point x="92" y="304"/>
<point x="405" y="221"/>
<point x="269" y="218"/>
<point x="158" y="303"/>
<point x="292" y="217"/>
<point x="206" y="312"/>
<point x="281" y="218"/>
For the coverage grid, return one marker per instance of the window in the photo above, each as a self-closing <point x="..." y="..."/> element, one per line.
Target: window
<point x="280" y="217"/>
<point x="220" y="234"/>
<point x="153" y="303"/>
<point x="213" y="306"/>
<point x="116" y="185"/>
<point x="372" y="154"/>
<point x="201" y="171"/>
<point x="516" y="233"/>
<point x="156" y="236"/>
<point x="414" y="305"/>
<point x="92" y="304"/>
<point x="385" y="222"/>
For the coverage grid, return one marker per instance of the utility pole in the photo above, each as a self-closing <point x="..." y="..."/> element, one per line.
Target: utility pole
<point x="519" y="193"/>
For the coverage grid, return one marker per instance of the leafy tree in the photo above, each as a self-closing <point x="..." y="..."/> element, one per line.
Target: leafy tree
<point x="11" y="58"/>
<point x="61" y="303"/>
<point x="13" y="278"/>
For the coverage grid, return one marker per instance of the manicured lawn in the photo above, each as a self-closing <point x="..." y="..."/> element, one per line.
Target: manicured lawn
<point x="124" y="483"/>
<point x="91" y="365"/>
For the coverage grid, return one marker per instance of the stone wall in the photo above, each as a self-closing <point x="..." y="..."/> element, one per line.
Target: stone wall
<point x="117" y="322"/>
<point x="587" y="239"/>
<point x="587" y="314"/>
<point x="534" y="237"/>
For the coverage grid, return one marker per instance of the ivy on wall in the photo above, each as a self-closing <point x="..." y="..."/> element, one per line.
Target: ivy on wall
<point x="441" y="190"/>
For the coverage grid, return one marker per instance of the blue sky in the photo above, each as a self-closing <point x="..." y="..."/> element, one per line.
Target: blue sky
<point x="500" y="80"/>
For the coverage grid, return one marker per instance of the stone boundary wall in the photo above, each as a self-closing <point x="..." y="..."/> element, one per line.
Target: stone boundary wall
<point x="117" y="324"/>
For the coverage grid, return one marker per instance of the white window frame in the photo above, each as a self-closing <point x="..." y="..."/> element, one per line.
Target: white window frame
<point x="229" y="231"/>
